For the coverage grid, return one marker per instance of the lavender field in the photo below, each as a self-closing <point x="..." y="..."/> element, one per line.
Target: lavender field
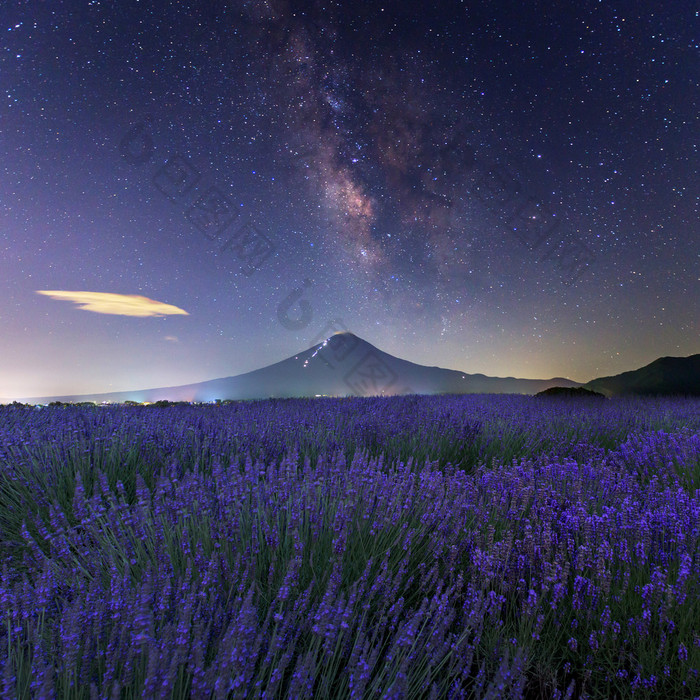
<point x="407" y="547"/>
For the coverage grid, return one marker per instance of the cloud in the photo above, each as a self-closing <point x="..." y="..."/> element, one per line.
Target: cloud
<point x="116" y="304"/>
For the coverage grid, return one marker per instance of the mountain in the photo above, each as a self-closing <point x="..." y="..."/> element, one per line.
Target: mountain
<point x="342" y="365"/>
<point x="667" y="376"/>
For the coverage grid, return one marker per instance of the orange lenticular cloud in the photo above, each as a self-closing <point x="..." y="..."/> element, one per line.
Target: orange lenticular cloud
<point x="116" y="304"/>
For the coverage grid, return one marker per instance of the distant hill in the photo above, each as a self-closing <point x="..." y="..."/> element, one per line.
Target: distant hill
<point x="568" y="392"/>
<point x="343" y="365"/>
<point x="665" y="376"/>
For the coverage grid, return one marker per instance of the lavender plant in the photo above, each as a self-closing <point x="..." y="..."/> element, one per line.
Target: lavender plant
<point x="407" y="547"/>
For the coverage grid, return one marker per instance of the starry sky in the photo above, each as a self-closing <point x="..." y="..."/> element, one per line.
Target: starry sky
<point x="195" y="190"/>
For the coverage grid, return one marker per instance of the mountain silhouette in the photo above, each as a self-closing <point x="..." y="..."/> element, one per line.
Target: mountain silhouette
<point x="342" y="365"/>
<point x="560" y="392"/>
<point x="666" y="376"/>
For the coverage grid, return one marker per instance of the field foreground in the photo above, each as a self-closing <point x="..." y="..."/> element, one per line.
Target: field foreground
<point x="407" y="547"/>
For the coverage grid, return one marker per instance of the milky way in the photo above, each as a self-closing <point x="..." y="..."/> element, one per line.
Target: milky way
<point x="493" y="188"/>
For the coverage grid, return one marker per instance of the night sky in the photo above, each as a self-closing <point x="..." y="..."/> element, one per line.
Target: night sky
<point x="195" y="190"/>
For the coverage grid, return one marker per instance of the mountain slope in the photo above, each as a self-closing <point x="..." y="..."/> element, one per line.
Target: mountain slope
<point x="667" y="376"/>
